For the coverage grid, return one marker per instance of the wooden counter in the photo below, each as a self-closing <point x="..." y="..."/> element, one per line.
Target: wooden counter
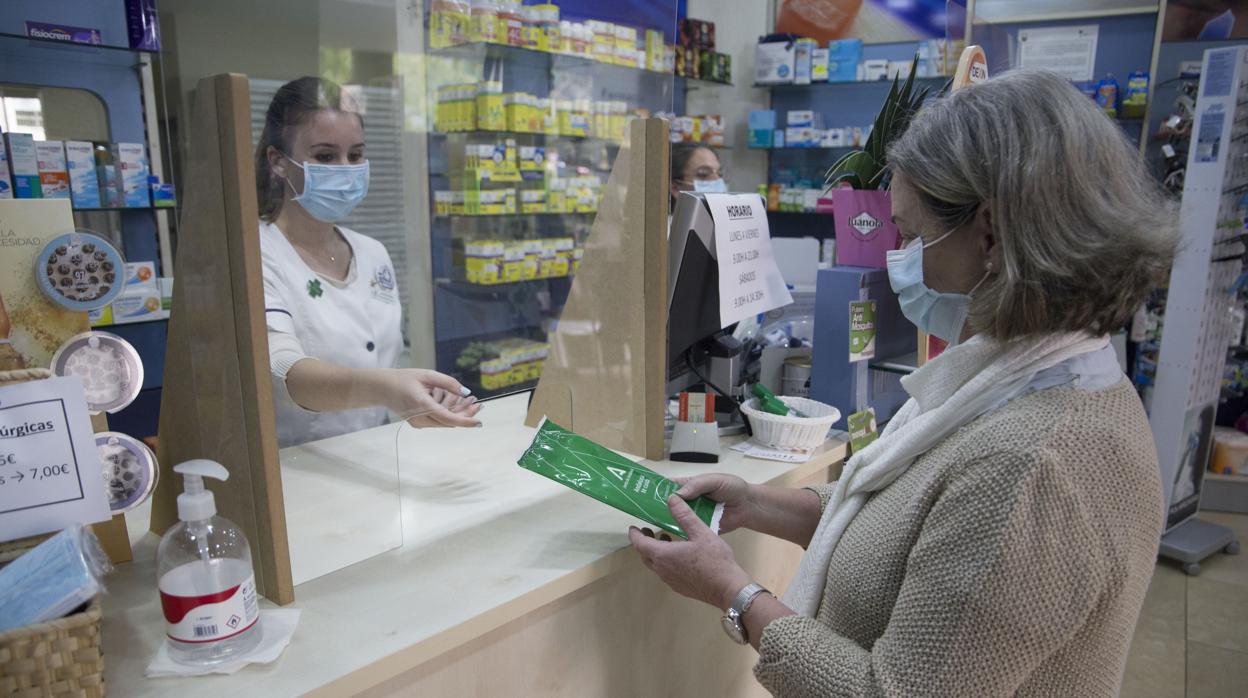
<point x="505" y="584"/>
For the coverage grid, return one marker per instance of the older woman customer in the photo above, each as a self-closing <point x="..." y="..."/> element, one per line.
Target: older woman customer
<point x="999" y="537"/>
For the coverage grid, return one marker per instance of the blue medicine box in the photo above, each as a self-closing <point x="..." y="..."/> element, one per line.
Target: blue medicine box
<point x="843" y="59"/>
<point x="762" y="124"/>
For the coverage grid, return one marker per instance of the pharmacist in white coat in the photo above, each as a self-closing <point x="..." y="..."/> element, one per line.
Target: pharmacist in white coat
<point x="331" y="303"/>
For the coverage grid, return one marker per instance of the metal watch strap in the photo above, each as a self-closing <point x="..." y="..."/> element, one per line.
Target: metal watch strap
<point x="741" y="604"/>
<point x="746" y="596"/>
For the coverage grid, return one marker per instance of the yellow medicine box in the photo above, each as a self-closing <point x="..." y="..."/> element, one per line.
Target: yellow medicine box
<point x="495" y="374"/>
<point x="490" y="102"/>
<point x="533" y="201"/>
<point x="513" y="261"/>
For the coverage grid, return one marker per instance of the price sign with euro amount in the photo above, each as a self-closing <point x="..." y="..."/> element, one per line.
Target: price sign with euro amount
<point x="749" y="280"/>
<point x="50" y="474"/>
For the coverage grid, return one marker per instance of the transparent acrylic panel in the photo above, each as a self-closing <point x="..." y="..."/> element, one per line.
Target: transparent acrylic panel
<point x="333" y="309"/>
<point x="522" y="137"/>
<point x="373" y="371"/>
<point x="332" y="279"/>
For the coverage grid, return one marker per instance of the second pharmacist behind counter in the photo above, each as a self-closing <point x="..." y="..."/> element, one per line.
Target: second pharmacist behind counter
<point x="331" y="301"/>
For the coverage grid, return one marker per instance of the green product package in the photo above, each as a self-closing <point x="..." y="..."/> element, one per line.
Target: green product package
<point x="580" y="464"/>
<point x="861" y="330"/>
<point x="768" y="402"/>
<point x="862" y="430"/>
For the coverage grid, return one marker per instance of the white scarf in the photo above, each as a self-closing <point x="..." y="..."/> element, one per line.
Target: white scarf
<point x="945" y="394"/>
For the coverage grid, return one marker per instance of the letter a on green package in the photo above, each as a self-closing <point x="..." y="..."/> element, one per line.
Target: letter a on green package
<point x="576" y="462"/>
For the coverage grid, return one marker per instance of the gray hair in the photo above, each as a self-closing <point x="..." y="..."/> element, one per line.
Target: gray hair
<point x="1085" y="231"/>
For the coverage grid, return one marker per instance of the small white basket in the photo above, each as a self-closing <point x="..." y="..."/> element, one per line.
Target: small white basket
<point x="792" y="433"/>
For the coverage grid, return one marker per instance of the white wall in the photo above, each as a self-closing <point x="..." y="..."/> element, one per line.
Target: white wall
<point x="738" y="24"/>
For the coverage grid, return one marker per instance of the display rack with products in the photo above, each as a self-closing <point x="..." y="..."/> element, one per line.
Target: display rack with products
<point x="528" y="106"/>
<point x="95" y="102"/>
<point x="1201" y="303"/>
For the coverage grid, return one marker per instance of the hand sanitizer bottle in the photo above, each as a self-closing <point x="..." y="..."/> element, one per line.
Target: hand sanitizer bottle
<point x="203" y="570"/>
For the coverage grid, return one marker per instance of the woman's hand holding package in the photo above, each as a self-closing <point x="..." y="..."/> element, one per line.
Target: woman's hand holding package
<point x="729" y="490"/>
<point x="783" y="512"/>
<point x="702" y="568"/>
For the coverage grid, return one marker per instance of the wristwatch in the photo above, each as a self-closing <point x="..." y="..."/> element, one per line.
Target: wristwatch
<point x="732" y="617"/>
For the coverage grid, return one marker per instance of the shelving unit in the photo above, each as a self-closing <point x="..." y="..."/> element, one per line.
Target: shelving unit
<point x="467" y="314"/>
<point x="544" y="137"/>
<point x="935" y="81"/>
<point x="548" y="60"/>
<point x="698" y="82"/>
<point x="1125" y="44"/>
<point x="124" y="81"/>
<point x="73" y="45"/>
<point x="518" y="215"/>
<point x="843" y="103"/>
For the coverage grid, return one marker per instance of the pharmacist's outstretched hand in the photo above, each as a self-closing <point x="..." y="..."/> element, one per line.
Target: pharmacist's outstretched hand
<point x="702" y="568"/>
<point x="430" y="399"/>
<point x="731" y="490"/>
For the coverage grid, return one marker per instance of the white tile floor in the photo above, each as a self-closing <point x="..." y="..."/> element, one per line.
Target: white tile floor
<point x="1192" y="638"/>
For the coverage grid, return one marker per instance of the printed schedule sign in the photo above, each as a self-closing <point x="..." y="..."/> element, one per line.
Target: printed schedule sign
<point x="749" y="280"/>
<point x="50" y="474"/>
<point x="1068" y="51"/>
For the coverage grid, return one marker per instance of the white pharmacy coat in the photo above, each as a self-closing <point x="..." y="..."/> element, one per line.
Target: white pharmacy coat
<point x="353" y="323"/>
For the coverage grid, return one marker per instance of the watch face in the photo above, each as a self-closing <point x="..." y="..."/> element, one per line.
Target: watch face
<point x="732" y="625"/>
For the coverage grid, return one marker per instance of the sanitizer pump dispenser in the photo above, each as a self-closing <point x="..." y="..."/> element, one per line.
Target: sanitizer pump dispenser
<point x="203" y="570"/>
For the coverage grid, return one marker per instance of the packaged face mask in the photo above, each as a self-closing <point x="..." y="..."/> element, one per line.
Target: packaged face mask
<point x="59" y="575"/>
<point x="580" y="464"/>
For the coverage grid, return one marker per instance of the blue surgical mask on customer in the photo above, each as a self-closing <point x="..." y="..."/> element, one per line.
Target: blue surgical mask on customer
<point x="710" y="186"/>
<point x="940" y="314"/>
<point x="331" y="192"/>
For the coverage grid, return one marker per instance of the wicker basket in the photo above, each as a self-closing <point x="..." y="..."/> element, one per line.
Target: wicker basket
<point x="792" y="433"/>
<point x="60" y="657"/>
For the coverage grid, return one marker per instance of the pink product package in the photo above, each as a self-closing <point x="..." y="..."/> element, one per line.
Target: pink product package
<point x="865" y="231"/>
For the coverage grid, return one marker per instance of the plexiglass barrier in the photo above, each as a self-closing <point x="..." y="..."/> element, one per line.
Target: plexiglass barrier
<point x="427" y="176"/>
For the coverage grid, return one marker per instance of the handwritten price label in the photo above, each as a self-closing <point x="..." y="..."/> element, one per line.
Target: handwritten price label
<point x="36" y="474"/>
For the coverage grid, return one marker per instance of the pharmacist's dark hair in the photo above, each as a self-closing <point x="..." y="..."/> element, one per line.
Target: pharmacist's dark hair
<point x="1085" y="230"/>
<point x="295" y="104"/>
<point x="682" y="153"/>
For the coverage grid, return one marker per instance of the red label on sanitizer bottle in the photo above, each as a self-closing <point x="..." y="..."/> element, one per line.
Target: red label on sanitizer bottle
<point x="197" y="617"/>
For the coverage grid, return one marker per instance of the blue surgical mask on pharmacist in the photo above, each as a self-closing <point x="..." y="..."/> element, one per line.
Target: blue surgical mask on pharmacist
<point x="331" y="192"/>
<point x="710" y="186"/>
<point x="939" y="314"/>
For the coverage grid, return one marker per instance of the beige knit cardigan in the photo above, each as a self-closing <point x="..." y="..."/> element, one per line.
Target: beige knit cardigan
<point x="1011" y="559"/>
